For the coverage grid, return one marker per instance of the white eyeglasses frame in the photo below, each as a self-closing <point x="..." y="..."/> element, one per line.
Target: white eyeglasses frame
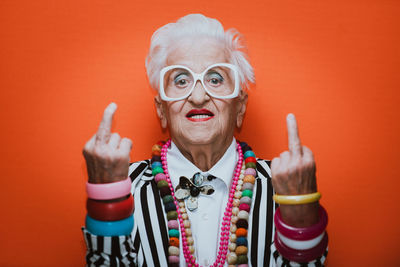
<point x="199" y="77"/>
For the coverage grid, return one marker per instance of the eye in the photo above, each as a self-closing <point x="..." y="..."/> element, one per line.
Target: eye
<point x="182" y="80"/>
<point x="215" y="79"/>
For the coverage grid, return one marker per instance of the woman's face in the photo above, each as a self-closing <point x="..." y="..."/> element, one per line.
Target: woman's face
<point x="200" y="119"/>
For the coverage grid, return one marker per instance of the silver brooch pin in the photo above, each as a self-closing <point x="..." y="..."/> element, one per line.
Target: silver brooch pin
<point x="190" y="189"/>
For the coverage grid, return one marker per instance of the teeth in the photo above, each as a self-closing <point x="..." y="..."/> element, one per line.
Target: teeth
<point x="200" y="116"/>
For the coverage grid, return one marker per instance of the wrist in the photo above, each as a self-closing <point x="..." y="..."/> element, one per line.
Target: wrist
<point x="303" y="215"/>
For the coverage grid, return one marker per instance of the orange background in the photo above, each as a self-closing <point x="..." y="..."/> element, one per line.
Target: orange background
<point x="335" y="64"/>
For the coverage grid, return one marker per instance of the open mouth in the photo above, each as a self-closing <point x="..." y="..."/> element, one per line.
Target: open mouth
<point x="199" y="115"/>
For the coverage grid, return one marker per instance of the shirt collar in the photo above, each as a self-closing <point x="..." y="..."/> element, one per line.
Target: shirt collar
<point x="179" y="166"/>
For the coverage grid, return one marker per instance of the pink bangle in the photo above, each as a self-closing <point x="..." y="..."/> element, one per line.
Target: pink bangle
<point x="109" y="190"/>
<point x="301" y="255"/>
<point x="305" y="233"/>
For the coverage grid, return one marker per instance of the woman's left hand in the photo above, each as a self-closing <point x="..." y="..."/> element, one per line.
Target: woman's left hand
<point x="293" y="173"/>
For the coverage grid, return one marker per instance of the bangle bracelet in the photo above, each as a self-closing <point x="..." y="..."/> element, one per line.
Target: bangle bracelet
<point x="116" y="228"/>
<point x="109" y="211"/>
<point x="109" y="190"/>
<point x="301" y="255"/>
<point x="297" y="199"/>
<point x="300" y="245"/>
<point x="304" y="233"/>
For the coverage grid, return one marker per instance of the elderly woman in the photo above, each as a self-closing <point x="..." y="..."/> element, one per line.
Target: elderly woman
<point x="203" y="199"/>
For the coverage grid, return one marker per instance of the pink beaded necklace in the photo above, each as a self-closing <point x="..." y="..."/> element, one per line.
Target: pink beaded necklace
<point x="226" y="222"/>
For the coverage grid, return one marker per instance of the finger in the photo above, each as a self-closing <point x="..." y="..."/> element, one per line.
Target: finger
<point x="89" y="145"/>
<point x="104" y="131"/>
<point x="125" y="146"/>
<point x="293" y="135"/>
<point x="275" y="165"/>
<point x="308" y="156"/>
<point x="114" y="141"/>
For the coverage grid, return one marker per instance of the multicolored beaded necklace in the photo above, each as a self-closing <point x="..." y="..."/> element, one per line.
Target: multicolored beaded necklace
<point x="235" y="221"/>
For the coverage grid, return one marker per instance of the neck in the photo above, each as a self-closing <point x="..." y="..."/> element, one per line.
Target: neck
<point x="204" y="156"/>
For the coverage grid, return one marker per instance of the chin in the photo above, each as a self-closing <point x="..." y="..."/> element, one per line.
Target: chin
<point x="198" y="138"/>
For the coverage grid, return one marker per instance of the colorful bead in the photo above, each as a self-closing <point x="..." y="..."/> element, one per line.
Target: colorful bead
<point x="241" y="250"/>
<point x="247" y="193"/>
<point x="173" y="259"/>
<point x="242" y="223"/>
<point x="190" y="240"/>
<point x="173" y="224"/>
<point x="155" y="158"/>
<point x="249" y="179"/>
<point x="245" y="200"/>
<point x="243" y="215"/>
<point x="164" y="191"/>
<point x="250" y="165"/>
<point x="245" y="207"/>
<point x="232" y="246"/>
<point x="156" y="148"/>
<point x="156" y="164"/>
<point x="159" y="177"/>
<point x="162" y="183"/>
<point x="186" y="223"/>
<point x="156" y="170"/>
<point x="250" y="159"/>
<point x="232" y="238"/>
<point x="248" y="153"/>
<point x="173" y="251"/>
<point x="167" y="198"/>
<point x="248" y="186"/>
<point x="250" y="171"/>
<point x="235" y="210"/>
<point x="172" y="215"/>
<point x="174" y="241"/>
<point x="241" y="232"/>
<point x="242" y="259"/>
<point x="173" y="233"/>
<point x="232" y="258"/>
<point x="170" y="206"/>
<point x="241" y="241"/>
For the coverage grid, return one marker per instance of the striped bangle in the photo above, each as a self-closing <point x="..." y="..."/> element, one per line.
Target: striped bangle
<point x="297" y="199"/>
<point x="110" y="211"/>
<point x="109" y="190"/>
<point x="115" y="228"/>
<point x="300" y="245"/>
<point x="301" y="255"/>
<point x="304" y="233"/>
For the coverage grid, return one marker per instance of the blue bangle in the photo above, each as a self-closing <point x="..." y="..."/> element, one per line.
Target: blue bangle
<point x="110" y="228"/>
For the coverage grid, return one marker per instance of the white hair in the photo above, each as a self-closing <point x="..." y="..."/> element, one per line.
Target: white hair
<point x="194" y="25"/>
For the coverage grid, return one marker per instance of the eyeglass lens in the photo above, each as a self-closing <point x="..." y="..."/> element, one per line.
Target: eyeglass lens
<point x="219" y="81"/>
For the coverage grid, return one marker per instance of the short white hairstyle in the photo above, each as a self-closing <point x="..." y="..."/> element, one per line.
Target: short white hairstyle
<point x="195" y="25"/>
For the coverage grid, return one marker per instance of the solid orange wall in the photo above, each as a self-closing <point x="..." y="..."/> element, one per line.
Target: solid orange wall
<point x="334" y="64"/>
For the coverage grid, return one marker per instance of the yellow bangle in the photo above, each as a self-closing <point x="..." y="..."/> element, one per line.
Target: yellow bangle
<point x="297" y="199"/>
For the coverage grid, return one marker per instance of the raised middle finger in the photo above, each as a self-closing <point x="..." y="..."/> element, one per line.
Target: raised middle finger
<point x="293" y="135"/>
<point x="104" y="131"/>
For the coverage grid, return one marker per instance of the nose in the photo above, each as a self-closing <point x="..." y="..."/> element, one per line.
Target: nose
<point x="199" y="94"/>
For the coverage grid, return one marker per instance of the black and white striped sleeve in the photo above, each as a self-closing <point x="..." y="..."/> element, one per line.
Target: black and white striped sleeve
<point x="116" y="250"/>
<point x="262" y="248"/>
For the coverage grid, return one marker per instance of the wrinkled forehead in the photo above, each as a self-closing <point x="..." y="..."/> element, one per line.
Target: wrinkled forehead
<point x="197" y="53"/>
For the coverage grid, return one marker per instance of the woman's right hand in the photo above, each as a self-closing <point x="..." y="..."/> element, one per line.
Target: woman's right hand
<point x="106" y="154"/>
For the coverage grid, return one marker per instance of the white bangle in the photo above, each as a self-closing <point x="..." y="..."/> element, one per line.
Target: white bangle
<point x="300" y="245"/>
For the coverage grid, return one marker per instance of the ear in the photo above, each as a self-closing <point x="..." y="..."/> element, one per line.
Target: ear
<point x="160" y="111"/>
<point x="242" y="103"/>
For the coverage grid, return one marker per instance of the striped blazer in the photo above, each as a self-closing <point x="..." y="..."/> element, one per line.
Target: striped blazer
<point x="148" y="243"/>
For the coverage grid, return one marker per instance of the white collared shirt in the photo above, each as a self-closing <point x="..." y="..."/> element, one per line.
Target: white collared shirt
<point x="206" y="219"/>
